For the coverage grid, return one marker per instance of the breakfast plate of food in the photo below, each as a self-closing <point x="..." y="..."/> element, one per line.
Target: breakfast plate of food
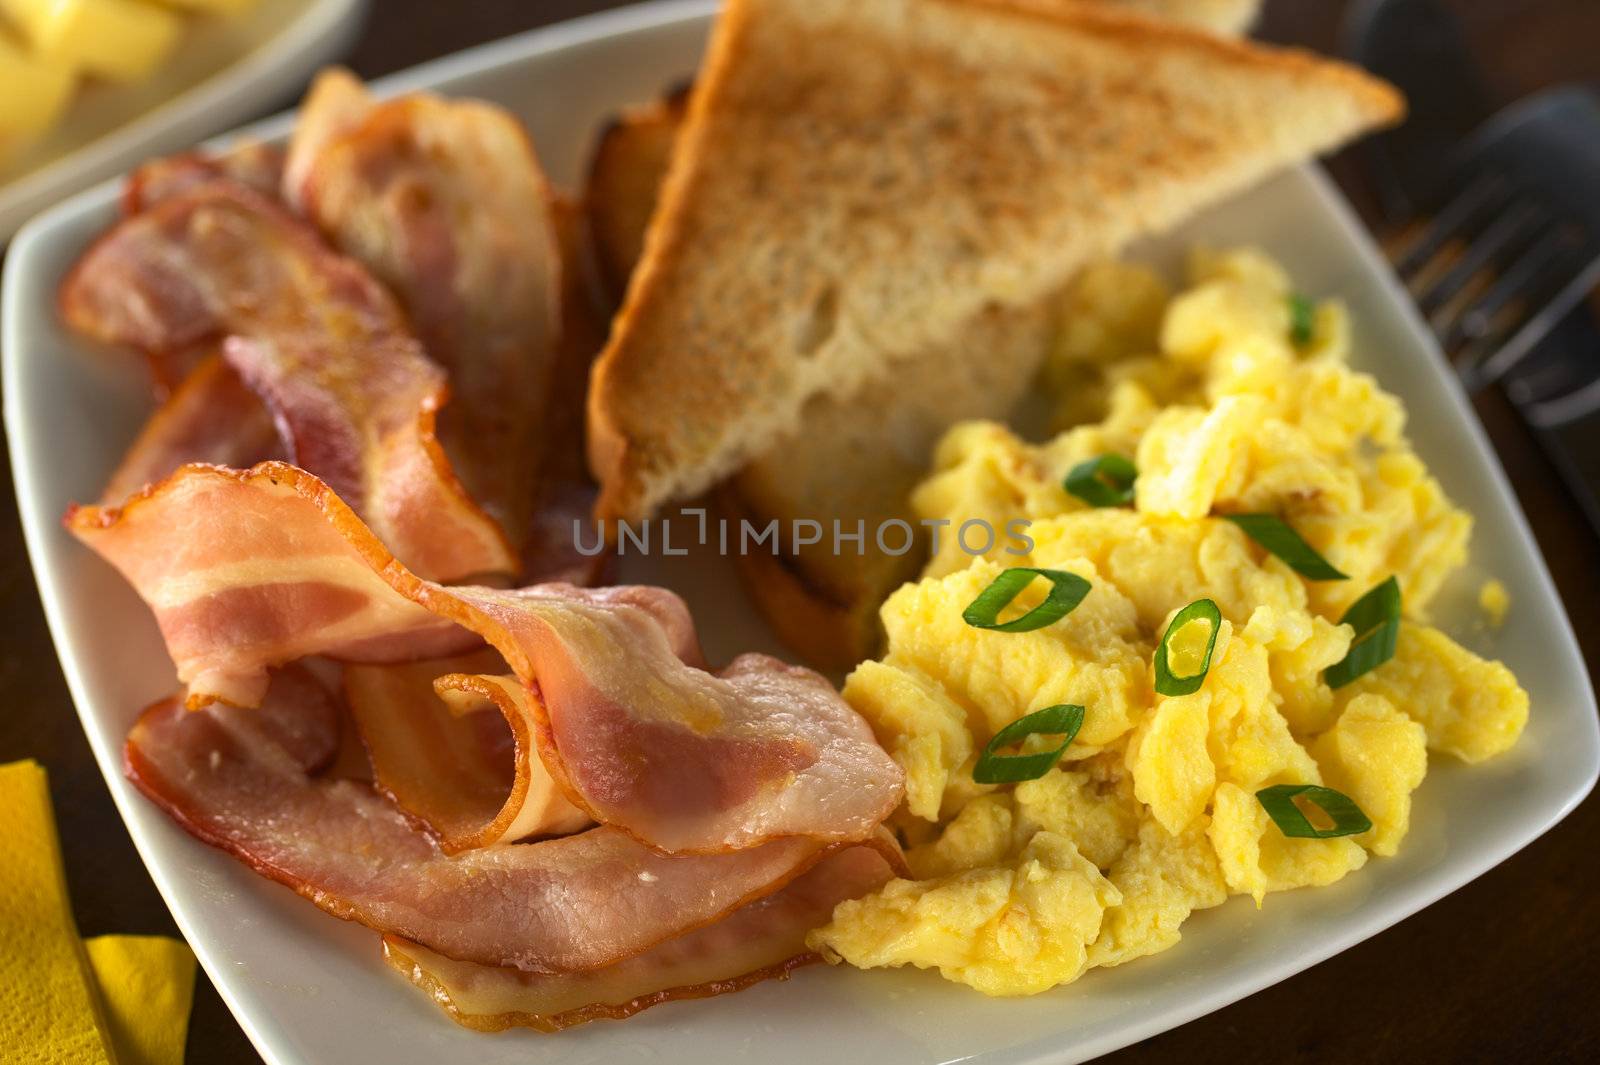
<point x="926" y="515"/>
<point x="90" y="88"/>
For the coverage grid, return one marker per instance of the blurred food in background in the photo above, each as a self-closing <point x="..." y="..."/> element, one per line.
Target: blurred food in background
<point x="50" y="48"/>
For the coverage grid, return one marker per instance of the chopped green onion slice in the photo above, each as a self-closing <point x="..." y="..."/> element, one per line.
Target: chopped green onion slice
<point x="1302" y="319"/>
<point x="1169" y="683"/>
<point x="1274" y="534"/>
<point x="1345" y="817"/>
<point x="1106" y="481"/>
<point x="1066" y="592"/>
<point x="1376" y="619"/>
<point x="1062" y="720"/>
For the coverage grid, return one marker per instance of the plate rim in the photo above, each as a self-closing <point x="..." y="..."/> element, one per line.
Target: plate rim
<point x="1404" y="900"/>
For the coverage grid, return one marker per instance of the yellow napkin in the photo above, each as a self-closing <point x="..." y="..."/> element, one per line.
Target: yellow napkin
<point x="146" y="984"/>
<point x="123" y="1000"/>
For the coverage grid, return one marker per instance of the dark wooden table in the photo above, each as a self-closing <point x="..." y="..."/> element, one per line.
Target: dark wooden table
<point x="1504" y="970"/>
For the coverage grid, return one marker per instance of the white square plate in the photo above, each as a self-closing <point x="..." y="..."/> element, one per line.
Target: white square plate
<point x="308" y="988"/>
<point x="223" y="71"/>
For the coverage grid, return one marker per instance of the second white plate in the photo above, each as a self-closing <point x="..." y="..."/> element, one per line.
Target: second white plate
<point x="223" y="71"/>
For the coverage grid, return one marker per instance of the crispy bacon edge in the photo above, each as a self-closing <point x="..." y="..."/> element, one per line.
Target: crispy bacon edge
<point x="431" y="635"/>
<point x="420" y="740"/>
<point x="210" y="417"/>
<point x="412" y="962"/>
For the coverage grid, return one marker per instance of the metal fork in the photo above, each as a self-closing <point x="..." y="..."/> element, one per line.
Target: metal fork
<point x="1511" y="243"/>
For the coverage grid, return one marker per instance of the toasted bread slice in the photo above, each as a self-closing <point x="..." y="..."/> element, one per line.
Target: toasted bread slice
<point x="633" y="149"/>
<point x="856" y="181"/>
<point x="855" y="462"/>
<point x="856" y="458"/>
<point x="630" y="159"/>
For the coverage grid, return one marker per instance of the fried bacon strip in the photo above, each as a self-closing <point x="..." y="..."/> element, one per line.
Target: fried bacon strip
<point x="452" y="747"/>
<point x="445" y="202"/>
<point x="763" y="940"/>
<point x="194" y="545"/>
<point x="335" y="105"/>
<point x="681" y="758"/>
<point x="239" y="781"/>
<point x="255" y="165"/>
<point x="315" y="337"/>
<point x="626" y="722"/>
<point x="211" y="417"/>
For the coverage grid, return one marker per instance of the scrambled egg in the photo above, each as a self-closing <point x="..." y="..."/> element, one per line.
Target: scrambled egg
<point x="1494" y="601"/>
<point x="1152" y="813"/>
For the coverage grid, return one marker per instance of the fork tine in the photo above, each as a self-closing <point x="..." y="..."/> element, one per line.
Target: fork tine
<point x="1477" y="318"/>
<point x="1446" y="320"/>
<point x="1481" y="193"/>
<point x="1514" y="227"/>
<point x="1550" y="413"/>
<point x="1486" y="365"/>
